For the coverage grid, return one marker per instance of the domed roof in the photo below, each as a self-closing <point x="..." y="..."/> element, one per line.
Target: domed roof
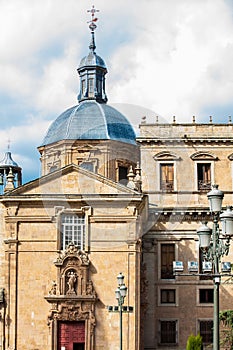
<point x="7" y="161"/>
<point x="90" y="120"/>
<point x="92" y="60"/>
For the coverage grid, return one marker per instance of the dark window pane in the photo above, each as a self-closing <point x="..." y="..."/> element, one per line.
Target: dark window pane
<point x="123" y="172"/>
<point x="167" y="258"/>
<point x="206" y="295"/>
<point x="168" y="296"/>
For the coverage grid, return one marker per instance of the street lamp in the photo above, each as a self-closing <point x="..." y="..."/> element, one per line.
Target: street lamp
<point x="120" y="294"/>
<point x="215" y="246"/>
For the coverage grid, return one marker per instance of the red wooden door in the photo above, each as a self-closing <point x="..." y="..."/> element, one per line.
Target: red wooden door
<point x="71" y="335"/>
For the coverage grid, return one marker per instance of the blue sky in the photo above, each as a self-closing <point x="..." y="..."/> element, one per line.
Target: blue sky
<point x="164" y="57"/>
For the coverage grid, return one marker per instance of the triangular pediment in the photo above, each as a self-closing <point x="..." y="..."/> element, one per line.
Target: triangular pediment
<point x="71" y="179"/>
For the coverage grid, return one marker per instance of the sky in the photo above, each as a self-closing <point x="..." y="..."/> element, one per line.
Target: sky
<point x="164" y="57"/>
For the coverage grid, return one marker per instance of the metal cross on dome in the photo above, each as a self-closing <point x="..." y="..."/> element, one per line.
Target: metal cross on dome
<point x="94" y="19"/>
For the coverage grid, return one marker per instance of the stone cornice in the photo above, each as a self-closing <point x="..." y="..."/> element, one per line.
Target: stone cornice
<point x="187" y="140"/>
<point x="180" y="214"/>
<point x="72" y="197"/>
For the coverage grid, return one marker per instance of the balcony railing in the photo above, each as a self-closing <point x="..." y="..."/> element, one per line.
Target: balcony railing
<point x="204" y="185"/>
<point x="167" y="186"/>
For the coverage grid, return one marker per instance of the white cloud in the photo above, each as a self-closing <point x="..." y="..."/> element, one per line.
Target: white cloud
<point x="170" y="57"/>
<point x="171" y="63"/>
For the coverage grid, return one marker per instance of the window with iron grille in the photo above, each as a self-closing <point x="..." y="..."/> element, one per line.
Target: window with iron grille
<point x="206" y="331"/>
<point x="167" y="177"/>
<point x="167" y="258"/>
<point x="168" y="332"/>
<point x="168" y="296"/>
<point x="204" y="176"/>
<point x="73" y="230"/>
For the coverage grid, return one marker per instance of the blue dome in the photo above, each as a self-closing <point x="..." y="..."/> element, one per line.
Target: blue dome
<point x="90" y="120"/>
<point x="92" y="60"/>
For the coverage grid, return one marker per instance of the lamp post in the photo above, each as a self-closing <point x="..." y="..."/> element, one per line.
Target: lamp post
<point x="3" y="317"/>
<point x="215" y="245"/>
<point x="120" y="294"/>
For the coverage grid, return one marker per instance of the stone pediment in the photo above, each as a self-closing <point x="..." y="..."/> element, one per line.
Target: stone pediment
<point x="71" y="179"/>
<point x="203" y="156"/>
<point x="165" y="155"/>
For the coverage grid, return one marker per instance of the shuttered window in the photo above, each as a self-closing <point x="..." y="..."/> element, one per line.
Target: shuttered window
<point x="167" y="258"/>
<point x="167" y="177"/>
<point x="204" y="176"/>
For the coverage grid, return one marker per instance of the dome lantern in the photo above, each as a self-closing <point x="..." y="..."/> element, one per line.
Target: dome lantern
<point x="10" y="169"/>
<point x="92" y="70"/>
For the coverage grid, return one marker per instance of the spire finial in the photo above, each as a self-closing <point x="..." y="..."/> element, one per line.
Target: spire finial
<point x="8" y="144"/>
<point x="92" y="27"/>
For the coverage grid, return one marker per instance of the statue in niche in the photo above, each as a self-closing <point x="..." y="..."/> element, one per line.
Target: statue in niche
<point x="72" y="279"/>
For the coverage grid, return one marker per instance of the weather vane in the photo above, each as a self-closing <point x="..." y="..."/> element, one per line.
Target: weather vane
<point x="94" y="19"/>
<point x="8" y="144"/>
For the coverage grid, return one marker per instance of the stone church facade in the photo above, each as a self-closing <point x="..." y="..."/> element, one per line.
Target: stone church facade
<point x="109" y="203"/>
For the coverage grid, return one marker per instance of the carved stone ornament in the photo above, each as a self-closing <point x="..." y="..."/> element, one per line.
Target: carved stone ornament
<point x="72" y="251"/>
<point x="72" y="296"/>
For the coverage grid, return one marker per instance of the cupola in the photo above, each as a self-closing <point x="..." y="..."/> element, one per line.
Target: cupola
<point x="92" y="70"/>
<point x="91" y="134"/>
<point x="10" y="173"/>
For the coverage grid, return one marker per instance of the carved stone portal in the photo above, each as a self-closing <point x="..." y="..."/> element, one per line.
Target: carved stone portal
<point x="72" y="296"/>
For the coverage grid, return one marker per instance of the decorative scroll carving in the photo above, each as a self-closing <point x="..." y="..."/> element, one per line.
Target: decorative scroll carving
<point x="72" y="251"/>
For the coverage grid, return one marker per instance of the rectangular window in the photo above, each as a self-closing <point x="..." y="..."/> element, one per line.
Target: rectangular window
<point x="206" y="331"/>
<point x="83" y="86"/>
<point x="204" y="176"/>
<point x="168" y="296"/>
<point x="167" y="258"/>
<point x="122" y="177"/>
<point x="87" y="165"/>
<point x="206" y="295"/>
<point x="167" y="177"/>
<point x="91" y="86"/>
<point x="73" y="230"/>
<point x="168" y="332"/>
